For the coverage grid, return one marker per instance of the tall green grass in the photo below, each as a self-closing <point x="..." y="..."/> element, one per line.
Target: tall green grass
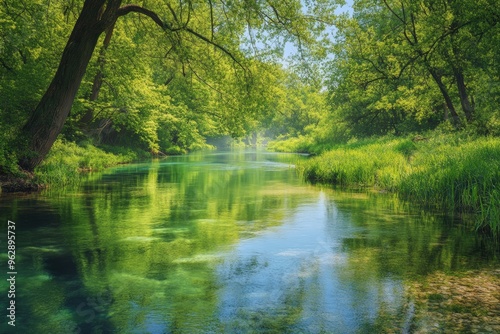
<point x="67" y="160"/>
<point x="449" y="172"/>
<point x="379" y="162"/>
<point x="463" y="177"/>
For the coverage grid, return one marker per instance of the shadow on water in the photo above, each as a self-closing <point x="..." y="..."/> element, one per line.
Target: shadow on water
<point x="235" y="242"/>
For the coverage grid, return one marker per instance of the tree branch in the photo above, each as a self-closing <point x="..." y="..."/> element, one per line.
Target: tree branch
<point x="172" y="11"/>
<point x="211" y="19"/>
<point x="366" y="83"/>
<point x="165" y="26"/>
<point x="220" y="47"/>
<point x="393" y="12"/>
<point x="152" y="15"/>
<point x="446" y="34"/>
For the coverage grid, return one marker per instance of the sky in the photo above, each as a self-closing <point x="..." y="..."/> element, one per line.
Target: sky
<point x="291" y="50"/>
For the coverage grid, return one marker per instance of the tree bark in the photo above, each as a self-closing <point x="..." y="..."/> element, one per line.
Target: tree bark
<point x="444" y="91"/>
<point x="47" y="120"/>
<point x="467" y="106"/>
<point x="87" y="119"/>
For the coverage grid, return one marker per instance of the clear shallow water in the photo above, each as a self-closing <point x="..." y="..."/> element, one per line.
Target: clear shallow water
<point x="231" y="243"/>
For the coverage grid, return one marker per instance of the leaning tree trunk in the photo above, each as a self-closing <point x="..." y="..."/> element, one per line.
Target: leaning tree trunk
<point x="444" y="91"/>
<point x="47" y="120"/>
<point x="467" y="106"/>
<point x="87" y="119"/>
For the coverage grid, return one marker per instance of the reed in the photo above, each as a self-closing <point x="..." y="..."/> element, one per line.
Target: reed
<point x="366" y="163"/>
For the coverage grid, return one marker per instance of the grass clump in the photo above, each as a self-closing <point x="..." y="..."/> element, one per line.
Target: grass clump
<point x="66" y="160"/>
<point x="459" y="176"/>
<point x="450" y="172"/>
<point x="365" y="163"/>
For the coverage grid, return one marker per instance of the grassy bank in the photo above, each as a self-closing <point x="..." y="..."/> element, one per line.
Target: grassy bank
<point x="451" y="172"/>
<point x="67" y="160"/>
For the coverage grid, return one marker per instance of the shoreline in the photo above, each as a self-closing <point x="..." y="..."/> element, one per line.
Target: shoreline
<point x="452" y="173"/>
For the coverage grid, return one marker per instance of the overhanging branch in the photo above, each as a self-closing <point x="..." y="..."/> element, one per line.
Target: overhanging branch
<point x="141" y="10"/>
<point x="165" y="26"/>
<point x="218" y="46"/>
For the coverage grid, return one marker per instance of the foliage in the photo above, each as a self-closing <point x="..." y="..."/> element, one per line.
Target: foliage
<point x="298" y="106"/>
<point x="28" y="43"/>
<point x="407" y="66"/>
<point x="28" y="40"/>
<point x="163" y="77"/>
<point x="301" y="144"/>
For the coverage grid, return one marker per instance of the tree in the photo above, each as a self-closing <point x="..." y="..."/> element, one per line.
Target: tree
<point x="392" y="51"/>
<point x="27" y="61"/>
<point x="47" y="120"/>
<point x="297" y="105"/>
<point x="372" y="86"/>
<point x="219" y="24"/>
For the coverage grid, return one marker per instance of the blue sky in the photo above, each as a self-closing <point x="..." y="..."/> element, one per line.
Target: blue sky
<point x="290" y="49"/>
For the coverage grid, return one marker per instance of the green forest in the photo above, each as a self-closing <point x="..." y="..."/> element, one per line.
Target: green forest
<point x="401" y="96"/>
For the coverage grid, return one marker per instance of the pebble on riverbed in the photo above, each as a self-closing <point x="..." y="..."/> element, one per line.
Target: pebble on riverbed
<point x="468" y="303"/>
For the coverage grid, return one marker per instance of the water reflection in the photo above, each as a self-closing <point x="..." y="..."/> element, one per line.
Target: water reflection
<point x="225" y="242"/>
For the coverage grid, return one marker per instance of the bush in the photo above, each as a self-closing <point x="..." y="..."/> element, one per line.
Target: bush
<point x="301" y="144"/>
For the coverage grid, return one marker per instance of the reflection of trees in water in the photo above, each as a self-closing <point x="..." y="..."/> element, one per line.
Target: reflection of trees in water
<point x="407" y="241"/>
<point x="137" y="238"/>
<point x="138" y="251"/>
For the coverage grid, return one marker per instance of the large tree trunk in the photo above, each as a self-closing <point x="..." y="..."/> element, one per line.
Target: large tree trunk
<point x="47" y="120"/>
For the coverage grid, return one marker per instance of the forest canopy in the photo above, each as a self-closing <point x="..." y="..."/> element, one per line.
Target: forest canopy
<point x="402" y="66"/>
<point x="163" y="76"/>
<point x="155" y="74"/>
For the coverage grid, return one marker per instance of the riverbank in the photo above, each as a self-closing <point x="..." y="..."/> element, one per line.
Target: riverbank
<point x="64" y="165"/>
<point x="19" y="183"/>
<point x="67" y="160"/>
<point x="449" y="172"/>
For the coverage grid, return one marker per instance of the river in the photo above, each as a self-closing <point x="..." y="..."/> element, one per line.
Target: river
<point x="236" y="242"/>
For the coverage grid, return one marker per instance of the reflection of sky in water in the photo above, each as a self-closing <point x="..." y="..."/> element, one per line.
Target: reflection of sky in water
<point x="225" y="243"/>
<point x="300" y="264"/>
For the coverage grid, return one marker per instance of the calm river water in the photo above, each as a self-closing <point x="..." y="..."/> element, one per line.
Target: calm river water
<point x="235" y="242"/>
